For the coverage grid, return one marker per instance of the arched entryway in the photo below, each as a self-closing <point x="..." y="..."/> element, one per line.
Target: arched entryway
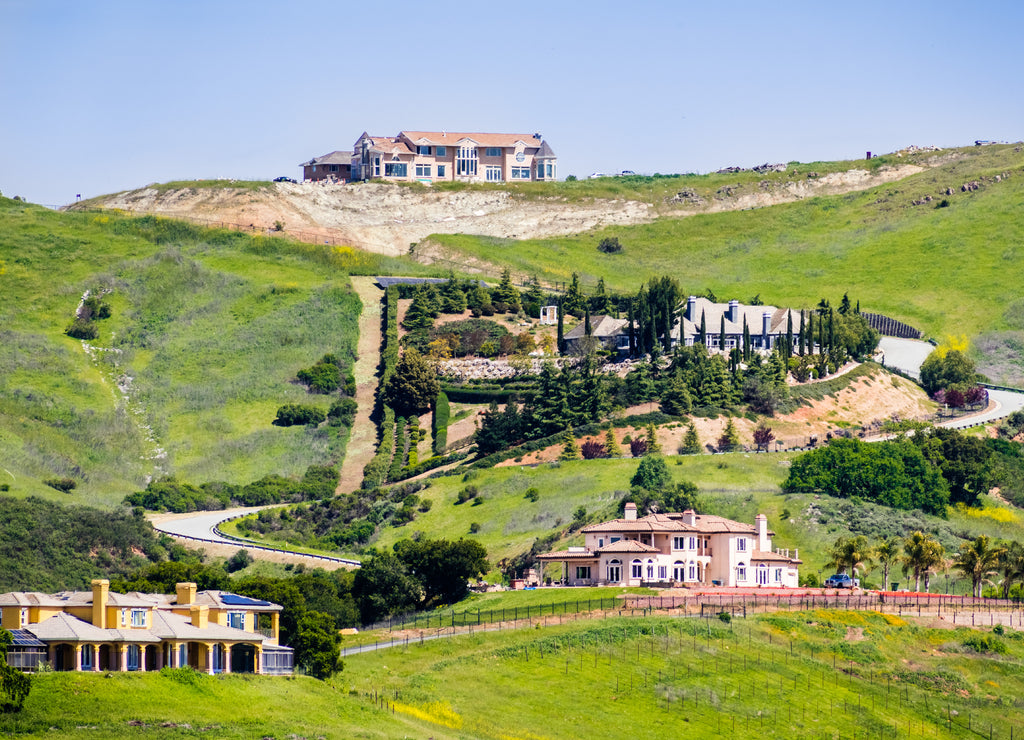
<point x="243" y="658"/>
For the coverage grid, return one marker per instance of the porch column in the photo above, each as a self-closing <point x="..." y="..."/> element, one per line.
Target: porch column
<point x="51" y="655"/>
<point x="209" y="659"/>
<point x="78" y="657"/>
<point x="142" y="658"/>
<point x="123" y="650"/>
<point x="227" y="658"/>
<point x="275" y="623"/>
<point x="257" y="660"/>
<point x="96" y="657"/>
<point x="161" y="649"/>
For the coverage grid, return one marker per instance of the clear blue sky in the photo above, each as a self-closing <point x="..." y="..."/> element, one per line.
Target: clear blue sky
<point x="101" y="96"/>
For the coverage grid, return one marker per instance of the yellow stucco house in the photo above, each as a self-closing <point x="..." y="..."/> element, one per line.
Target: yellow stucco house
<point x="101" y="630"/>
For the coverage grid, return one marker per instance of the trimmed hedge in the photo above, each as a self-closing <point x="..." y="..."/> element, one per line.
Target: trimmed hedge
<point x="439" y="423"/>
<point x="375" y="473"/>
<point x="461" y="394"/>
<point x="429" y="464"/>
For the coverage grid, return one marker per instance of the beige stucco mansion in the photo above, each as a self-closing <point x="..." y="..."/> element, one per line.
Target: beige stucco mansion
<point x="679" y="549"/>
<point x="438" y="156"/>
<point x="100" y="630"/>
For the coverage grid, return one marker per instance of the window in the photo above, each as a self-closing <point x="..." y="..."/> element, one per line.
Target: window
<point x="582" y="572"/>
<point x="441" y="151"/>
<point x="550" y="171"/>
<point x="236" y="620"/>
<point x="376" y="166"/>
<point x="677" y="571"/>
<point x="600" y="541"/>
<point x="778" y="575"/>
<point x="334" y="168"/>
<point x="615" y="539"/>
<point x="182" y="656"/>
<point x="493" y="174"/>
<point x="614" y="571"/>
<point x="693" y="572"/>
<point x="440" y="170"/>
<point x="693" y="543"/>
<point x="466" y="162"/>
<point x="396" y="169"/>
<point x="86" y="657"/>
<point x="638" y="569"/>
<point x="124" y="617"/>
<point x="493" y="151"/>
<point x="24" y="616"/>
<point x="741" y="544"/>
<point x="423" y="150"/>
<point x="423" y="170"/>
<point x="138" y="617"/>
<point x="741" y="572"/>
<point x="762" y="575"/>
<point x="678" y="543"/>
<point x="650" y="570"/>
<point x="662" y="572"/>
<point x="520" y="173"/>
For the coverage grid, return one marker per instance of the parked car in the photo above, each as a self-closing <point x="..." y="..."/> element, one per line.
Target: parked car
<point x="596" y="175"/>
<point x="626" y="173"/>
<point x="283" y="179"/>
<point x="839" y="580"/>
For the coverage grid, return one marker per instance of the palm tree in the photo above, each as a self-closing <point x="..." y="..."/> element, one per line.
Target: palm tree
<point x="888" y="553"/>
<point x="1011" y="565"/>
<point x="977" y="560"/>
<point x="922" y="553"/>
<point x="850" y="554"/>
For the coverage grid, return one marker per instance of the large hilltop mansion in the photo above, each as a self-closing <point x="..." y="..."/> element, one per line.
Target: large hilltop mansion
<point x="100" y="630"/>
<point x="439" y="156"/>
<point x="680" y="549"/>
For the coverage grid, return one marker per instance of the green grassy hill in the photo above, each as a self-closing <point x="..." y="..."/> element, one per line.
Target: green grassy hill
<point x="800" y="675"/>
<point x="208" y="329"/>
<point x="946" y="270"/>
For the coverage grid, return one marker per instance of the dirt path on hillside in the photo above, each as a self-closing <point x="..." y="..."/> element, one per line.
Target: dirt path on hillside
<point x="362" y="442"/>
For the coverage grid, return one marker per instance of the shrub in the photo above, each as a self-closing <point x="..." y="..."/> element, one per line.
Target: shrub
<point x="467" y="493"/>
<point x="474" y="527"/>
<point x="439" y="423"/>
<point x="984" y="643"/>
<point x="592" y="449"/>
<point x="323" y="377"/>
<point x="67" y="485"/>
<point x="638" y="447"/>
<point x="609" y="245"/>
<point x="343" y="412"/>
<point x="82" y="328"/>
<point x="532" y="494"/>
<point x="238" y="561"/>
<point x="293" y="414"/>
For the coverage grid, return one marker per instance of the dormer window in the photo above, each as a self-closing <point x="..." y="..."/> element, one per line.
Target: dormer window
<point x="138" y="617"/>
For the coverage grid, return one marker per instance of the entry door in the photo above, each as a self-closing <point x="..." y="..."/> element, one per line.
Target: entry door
<point x="762" y="576"/>
<point x="614" y="573"/>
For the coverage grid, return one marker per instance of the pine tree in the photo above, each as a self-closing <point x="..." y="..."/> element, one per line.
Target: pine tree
<point x="570" y="448"/>
<point x="507" y="293"/>
<point x="574" y="302"/>
<point x="611" y="446"/>
<point x="691" y="442"/>
<point x="533" y="293"/>
<point x="730" y="438"/>
<point x="653" y="447"/>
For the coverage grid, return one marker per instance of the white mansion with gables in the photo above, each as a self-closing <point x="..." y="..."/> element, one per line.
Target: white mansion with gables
<point x="686" y="549"/>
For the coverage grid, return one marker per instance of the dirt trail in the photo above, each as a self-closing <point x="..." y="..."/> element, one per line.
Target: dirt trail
<point x="362" y="442"/>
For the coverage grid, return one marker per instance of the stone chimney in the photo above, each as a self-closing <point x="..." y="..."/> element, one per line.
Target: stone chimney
<point x="734" y="311"/>
<point x="764" y="544"/>
<point x="200" y="614"/>
<point x="100" y="595"/>
<point x="630" y="512"/>
<point x="690" y="518"/>
<point x="766" y="326"/>
<point x="691" y="308"/>
<point x="186" y="593"/>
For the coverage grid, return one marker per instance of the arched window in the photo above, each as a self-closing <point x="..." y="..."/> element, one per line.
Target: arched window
<point x="614" y="571"/>
<point x="638" y="569"/>
<point x="678" y="571"/>
<point x="741" y="572"/>
<point x="692" y="574"/>
<point x="650" y="569"/>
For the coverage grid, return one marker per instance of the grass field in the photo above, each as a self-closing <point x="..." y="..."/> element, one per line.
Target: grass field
<point x="894" y="257"/>
<point x="801" y="675"/>
<point x="208" y="329"/>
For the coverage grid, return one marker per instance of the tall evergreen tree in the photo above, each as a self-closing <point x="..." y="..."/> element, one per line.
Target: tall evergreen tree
<point x="703" y="328"/>
<point x="586" y="322"/>
<point x="632" y="330"/>
<point x="561" y="328"/>
<point x="789" y="334"/>
<point x="721" y="335"/>
<point x="574" y="301"/>
<point x="746" y="340"/>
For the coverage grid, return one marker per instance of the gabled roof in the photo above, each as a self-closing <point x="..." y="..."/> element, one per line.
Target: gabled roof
<point x="63" y="626"/>
<point x="713" y="313"/>
<point x="601" y="327"/>
<point x="335" y="157"/>
<point x="452" y="138"/>
<point x="29" y="598"/>
<point x="168" y="625"/>
<point x="703" y="524"/>
<point x="545" y="151"/>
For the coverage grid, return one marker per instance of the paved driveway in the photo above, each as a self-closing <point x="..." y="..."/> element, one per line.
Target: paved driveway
<point x="906" y="355"/>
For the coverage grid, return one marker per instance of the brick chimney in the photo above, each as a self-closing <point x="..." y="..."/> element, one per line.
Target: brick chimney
<point x="186" y="593"/>
<point x="630" y="512"/>
<point x="199" y="614"/>
<point x="100" y="595"/>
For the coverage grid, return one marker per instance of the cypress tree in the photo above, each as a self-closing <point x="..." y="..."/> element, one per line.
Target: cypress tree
<point x="721" y="335"/>
<point x="821" y="334"/>
<point x="632" y="331"/>
<point x="561" y="330"/>
<point x="586" y="322"/>
<point x="810" y="333"/>
<point x="789" y="334"/>
<point x="746" y="340"/>
<point x="703" y="329"/>
<point x="667" y="337"/>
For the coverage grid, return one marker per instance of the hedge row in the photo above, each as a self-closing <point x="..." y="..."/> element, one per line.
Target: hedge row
<point x="460" y="394"/>
<point x="375" y="473"/>
<point x="398" y="459"/>
<point x="442" y="414"/>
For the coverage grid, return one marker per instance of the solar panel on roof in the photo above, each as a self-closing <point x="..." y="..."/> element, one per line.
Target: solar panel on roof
<point x="236" y="600"/>
<point x="24" y="638"/>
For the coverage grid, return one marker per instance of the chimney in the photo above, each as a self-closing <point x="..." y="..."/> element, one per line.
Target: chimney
<point x="734" y="311"/>
<point x="766" y="325"/>
<point x="690" y="518"/>
<point x="691" y="308"/>
<point x="100" y="593"/>
<point x="186" y="593"/>
<point x="761" y="524"/>
<point x="630" y="512"/>
<point x="200" y="614"/>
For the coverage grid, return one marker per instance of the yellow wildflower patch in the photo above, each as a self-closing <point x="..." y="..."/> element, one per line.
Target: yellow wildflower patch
<point x="995" y="513"/>
<point x="438" y="713"/>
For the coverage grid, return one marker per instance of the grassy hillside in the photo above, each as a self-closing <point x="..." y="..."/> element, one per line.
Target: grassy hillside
<point x="948" y="270"/>
<point x="208" y="329"/>
<point x="800" y="675"/>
